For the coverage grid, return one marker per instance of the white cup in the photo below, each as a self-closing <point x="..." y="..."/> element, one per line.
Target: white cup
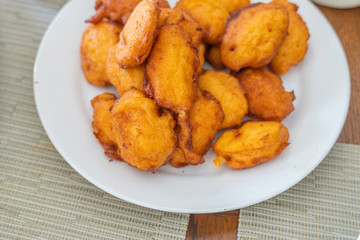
<point x="338" y="3"/>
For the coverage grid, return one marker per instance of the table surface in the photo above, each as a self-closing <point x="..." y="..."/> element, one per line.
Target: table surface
<point x="346" y="23"/>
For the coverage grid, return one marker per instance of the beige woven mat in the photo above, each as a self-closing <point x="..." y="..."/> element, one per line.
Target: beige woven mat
<point x="41" y="196"/>
<point x="325" y="205"/>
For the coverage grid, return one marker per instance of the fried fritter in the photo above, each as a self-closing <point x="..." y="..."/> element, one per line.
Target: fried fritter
<point x="294" y="47"/>
<point x="171" y="69"/>
<point x="164" y="13"/>
<point x="201" y="56"/>
<point x="178" y="159"/>
<point x="251" y="144"/>
<point x="206" y="116"/>
<point x="124" y="78"/>
<point x="144" y="132"/>
<point x="96" y="41"/>
<point x="230" y="94"/>
<point x="210" y="15"/>
<point x="214" y="58"/>
<point x="233" y="5"/>
<point x="189" y="25"/>
<point x="117" y="10"/>
<point x="253" y="35"/>
<point x="101" y="124"/>
<point x="138" y="34"/>
<point x="266" y="96"/>
<point x="170" y="78"/>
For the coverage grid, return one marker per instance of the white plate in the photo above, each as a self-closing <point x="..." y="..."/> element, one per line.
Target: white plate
<point x="322" y="88"/>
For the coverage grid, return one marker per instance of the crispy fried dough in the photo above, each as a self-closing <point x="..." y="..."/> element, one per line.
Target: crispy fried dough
<point x="144" y="132"/>
<point x="214" y="58"/>
<point x="210" y="15"/>
<point x="294" y="47"/>
<point x="178" y="159"/>
<point x="206" y="116"/>
<point x="117" y="10"/>
<point x="253" y="35"/>
<point x="102" y="126"/>
<point x="164" y="13"/>
<point x="251" y="144"/>
<point x="233" y="5"/>
<point x="170" y="79"/>
<point x="138" y="34"/>
<point x="96" y="41"/>
<point x="124" y="78"/>
<point x="266" y="96"/>
<point x="230" y="94"/>
<point x="171" y="69"/>
<point x="189" y="25"/>
<point x="201" y="56"/>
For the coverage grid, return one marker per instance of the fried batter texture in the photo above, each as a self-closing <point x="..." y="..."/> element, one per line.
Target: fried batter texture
<point x="214" y="57"/>
<point x="180" y="17"/>
<point x="230" y="94"/>
<point x="138" y="34"/>
<point x="253" y="35"/>
<point x="171" y="69"/>
<point x="170" y="78"/>
<point x="233" y="5"/>
<point x="117" y="10"/>
<point x="96" y="41"/>
<point x="124" y="78"/>
<point x="266" y="96"/>
<point x="178" y="159"/>
<point x="206" y="116"/>
<point x="144" y="132"/>
<point x="210" y="15"/>
<point x="294" y="47"/>
<point x="102" y="126"/>
<point x="189" y="25"/>
<point x="251" y="144"/>
<point x="201" y="56"/>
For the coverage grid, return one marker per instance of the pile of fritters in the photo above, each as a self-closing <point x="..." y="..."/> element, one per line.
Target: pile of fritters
<point x="169" y="109"/>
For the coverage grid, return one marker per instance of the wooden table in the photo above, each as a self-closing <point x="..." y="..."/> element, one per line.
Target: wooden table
<point x="347" y="25"/>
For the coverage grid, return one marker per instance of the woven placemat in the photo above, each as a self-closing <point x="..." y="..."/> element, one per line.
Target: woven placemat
<point x="325" y="205"/>
<point x="41" y="196"/>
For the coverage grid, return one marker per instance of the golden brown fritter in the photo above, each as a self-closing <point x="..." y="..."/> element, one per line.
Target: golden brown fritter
<point x="171" y="69"/>
<point x="214" y="58"/>
<point x="170" y="79"/>
<point x="233" y="5"/>
<point x="117" y="10"/>
<point x="253" y="35"/>
<point x="206" y="116"/>
<point x="210" y="15"/>
<point x="294" y="47"/>
<point x="189" y="25"/>
<point x="164" y="13"/>
<point x="266" y="96"/>
<point x="251" y="144"/>
<point x="201" y="55"/>
<point x="144" y="132"/>
<point x="178" y="159"/>
<point x="138" y="34"/>
<point x="230" y="94"/>
<point x="101" y="124"/>
<point x="124" y="78"/>
<point x="96" y="41"/>
<point x="185" y="139"/>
